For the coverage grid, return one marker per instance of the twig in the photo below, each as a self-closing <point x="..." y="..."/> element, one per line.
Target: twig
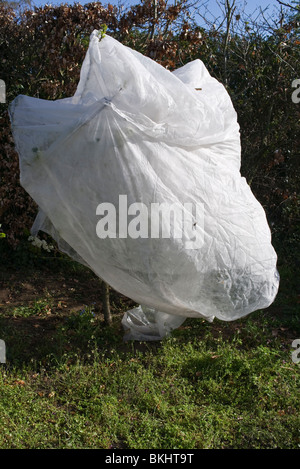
<point x="288" y="5"/>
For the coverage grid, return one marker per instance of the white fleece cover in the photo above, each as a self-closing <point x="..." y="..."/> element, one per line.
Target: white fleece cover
<point x="135" y="129"/>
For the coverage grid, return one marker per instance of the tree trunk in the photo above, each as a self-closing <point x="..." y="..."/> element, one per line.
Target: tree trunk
<point x="229" y="11"/>
<point x="106" y="302"/>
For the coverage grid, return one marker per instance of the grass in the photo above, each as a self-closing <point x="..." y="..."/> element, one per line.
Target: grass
<point x="71" y="382"/>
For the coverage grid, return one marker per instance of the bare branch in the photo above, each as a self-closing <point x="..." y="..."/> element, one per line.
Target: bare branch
<point x="288" y="5"/>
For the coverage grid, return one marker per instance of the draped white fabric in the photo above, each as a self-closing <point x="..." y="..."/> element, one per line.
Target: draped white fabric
<point x="136" y="135"/>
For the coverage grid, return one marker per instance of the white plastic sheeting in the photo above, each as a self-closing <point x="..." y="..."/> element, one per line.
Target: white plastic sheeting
<point x="134" y="129"/>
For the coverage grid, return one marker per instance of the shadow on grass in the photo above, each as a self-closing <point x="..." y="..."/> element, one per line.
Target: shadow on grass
<point x="46" y="337"/>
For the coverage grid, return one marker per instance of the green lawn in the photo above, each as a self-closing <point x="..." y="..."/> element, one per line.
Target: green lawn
<point x="71" y="382"/>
